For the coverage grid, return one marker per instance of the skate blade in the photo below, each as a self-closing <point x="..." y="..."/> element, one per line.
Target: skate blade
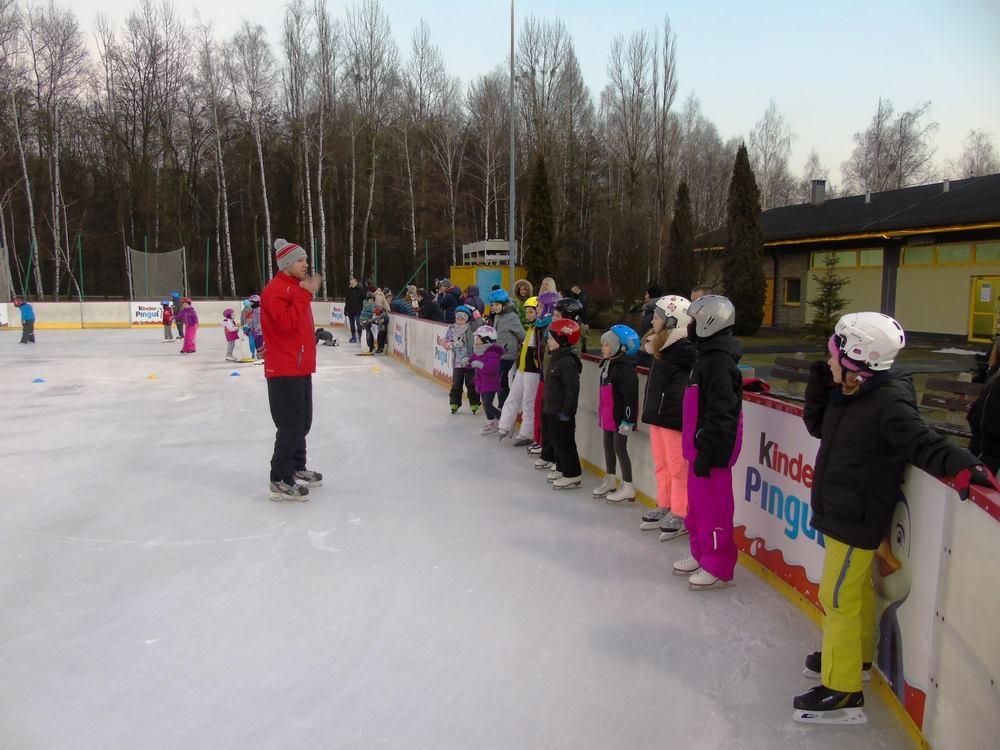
<point x="866" y="675"/>
<point x="279" y="498"/>
<point x="669" y="536"/>
<point x="842" y="716"/>
<point x="574" y="486"/>
<point x="719" y="584"/>
<point x="304" y="483"/>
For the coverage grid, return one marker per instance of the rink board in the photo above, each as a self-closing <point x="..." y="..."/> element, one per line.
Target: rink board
<point x="936" y="602"/>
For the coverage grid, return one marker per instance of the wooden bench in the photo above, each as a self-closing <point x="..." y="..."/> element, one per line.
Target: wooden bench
<point x="955" y="398"/>
<point x="793" y="370"/>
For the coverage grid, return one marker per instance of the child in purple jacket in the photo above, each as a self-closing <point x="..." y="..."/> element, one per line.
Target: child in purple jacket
<point x="485" y="360"/>
<point x="189" y="318"/>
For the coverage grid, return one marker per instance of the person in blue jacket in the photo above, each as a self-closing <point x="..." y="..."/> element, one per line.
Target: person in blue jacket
<point x="27" y="320"/>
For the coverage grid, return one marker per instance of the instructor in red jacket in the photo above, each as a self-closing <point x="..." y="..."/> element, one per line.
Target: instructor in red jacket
<point x="289" y="362"/>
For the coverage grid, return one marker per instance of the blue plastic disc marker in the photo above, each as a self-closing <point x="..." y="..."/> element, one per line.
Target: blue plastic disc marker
<point x="38" y="380"/>
<point x="234" y="374"/>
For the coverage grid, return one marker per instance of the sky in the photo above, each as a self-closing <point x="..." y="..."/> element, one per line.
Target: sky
<point x="824" y="64"/>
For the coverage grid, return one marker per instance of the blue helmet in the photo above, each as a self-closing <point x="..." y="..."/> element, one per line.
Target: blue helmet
<point x="465" y="310"/>
<point x="247" y="303"/>
<point x="175" y="295"/>
<point x="628" y="339"/>
<point x="165" y="302"/>
<point x="500" y="296"/>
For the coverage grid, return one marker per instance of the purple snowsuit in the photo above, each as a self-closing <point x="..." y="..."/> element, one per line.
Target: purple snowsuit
<point x="487" y="377"/>
<point x="710" y="500"/>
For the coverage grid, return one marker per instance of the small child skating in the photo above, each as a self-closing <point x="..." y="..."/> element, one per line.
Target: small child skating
<point x="865" y="416"/>
<point x="485" y="361"/>
<point x="618" y="406"/>
<point x="231" y="331"/>
<point x="459" y="341"/>
<point x="672" y="357"/>
<point x="712" y="433"/>
<point x="378" y="330"/>
<point x="524" y="385"/>
<point x="256" y="330"/>
<point x="178" y="305"/>
<point x="246" y="322"/>
<point x="510" y="336"/>
<point x="168" y="321"/>
<point x="27" y="319"/>
<point x="559" y="403"/>
<point x="187" y="319"/>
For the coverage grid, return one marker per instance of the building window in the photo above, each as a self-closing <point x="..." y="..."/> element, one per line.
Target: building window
<point x="870" y="258"/>
<point x="954" y="254"/>
<point x="918" y="255"/>
<point x="988" y="252"/>
<point x="845" y="258"/>
<point x="792" y="292"/>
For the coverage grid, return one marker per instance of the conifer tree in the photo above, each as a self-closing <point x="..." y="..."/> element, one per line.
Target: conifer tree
<point x="680" y="272"/>
<point x="828" y="301"/>
<point x="540" y="259"/>
<point x="742" y="265"/>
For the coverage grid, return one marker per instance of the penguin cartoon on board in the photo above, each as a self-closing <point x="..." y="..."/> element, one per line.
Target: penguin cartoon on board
<point x="892" y="576"/>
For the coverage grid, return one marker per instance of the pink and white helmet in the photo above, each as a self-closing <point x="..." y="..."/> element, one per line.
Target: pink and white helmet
<point x="487" y="333"/>
<point x="867" y="341"/>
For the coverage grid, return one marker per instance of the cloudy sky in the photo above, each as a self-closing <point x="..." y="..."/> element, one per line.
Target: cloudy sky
<point x="824" y="64"/>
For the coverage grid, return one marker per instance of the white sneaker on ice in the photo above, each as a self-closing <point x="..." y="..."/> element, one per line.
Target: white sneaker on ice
<point x="702" y="579"/>
<point x="609" y="484"/>
<point x="625" y="492"/>
<point x="686" y="566"/>
<point x="554" y="475"/>
<point x="567" y="483"/>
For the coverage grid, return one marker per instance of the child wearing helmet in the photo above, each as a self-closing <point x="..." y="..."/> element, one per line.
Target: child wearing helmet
<point x="27" y="319"/>
<point x="711" y="436"/>
<point x="485" y="363"/>
<point x="672" y="356"/>
<point x="865" y="416"/>
<point x="559" y="403"/>
<point x="256" y="330"/>
<point x="617" y="409"/>
<point x="510" y="335"/>
<point x="187" y="320"/>
<point x="168" y="321"/>
<point x="175" y="298"/>
<point x="459" y="341"/>
<point x="246" y="323"/>
<point x="232" y="332"/>
<point x="524" y="385"/>
<point x="545" y="313"/>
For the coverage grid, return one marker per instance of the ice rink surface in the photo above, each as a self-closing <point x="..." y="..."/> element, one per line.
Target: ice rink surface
<point x="436" y="593"/>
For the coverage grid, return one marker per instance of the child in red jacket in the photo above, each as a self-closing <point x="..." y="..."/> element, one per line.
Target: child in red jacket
<point x="289" y="362"/>
<point x="168" y="321"/>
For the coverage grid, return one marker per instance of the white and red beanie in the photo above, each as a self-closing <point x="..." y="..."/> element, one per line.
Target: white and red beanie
<point x="286" y="253"/>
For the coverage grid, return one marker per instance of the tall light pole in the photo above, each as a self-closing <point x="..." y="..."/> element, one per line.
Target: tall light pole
<point x="511" y="202"/>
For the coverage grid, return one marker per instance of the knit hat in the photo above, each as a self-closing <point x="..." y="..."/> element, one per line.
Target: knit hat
<point x="286" y="253"/>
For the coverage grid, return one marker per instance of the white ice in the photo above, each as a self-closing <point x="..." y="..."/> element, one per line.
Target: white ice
<point x="436" y="593"/>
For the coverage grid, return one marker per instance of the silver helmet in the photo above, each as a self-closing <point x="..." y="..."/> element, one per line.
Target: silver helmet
<point x="711" y="314"/>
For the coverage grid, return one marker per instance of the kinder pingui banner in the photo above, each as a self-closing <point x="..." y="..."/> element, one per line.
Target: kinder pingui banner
<point x="398" y="332"/>
<point x="146" y="313"/>
<point x="4" y="320"/>
<point x="338" y="318"/>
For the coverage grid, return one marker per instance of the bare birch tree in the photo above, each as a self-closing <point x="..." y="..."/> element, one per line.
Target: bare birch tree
<point x="769" y="147"/>
<point x="979" y="156"/>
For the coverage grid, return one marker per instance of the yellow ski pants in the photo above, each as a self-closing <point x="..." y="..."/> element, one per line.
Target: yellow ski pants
<point x="848" y="600"/>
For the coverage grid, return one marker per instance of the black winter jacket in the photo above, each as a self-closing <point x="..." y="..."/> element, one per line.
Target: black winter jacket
<point x="448" y="300"/>
<point x="984" y="421"/>
<point x="620" y="374"/>
<point x="866" y="440"/>
<point x="355" y="300"/>
<point x="665" y="384"/>
<point x="430" y="310"/>
<point x="561" y="392"/>
<point x="720" y="399"/>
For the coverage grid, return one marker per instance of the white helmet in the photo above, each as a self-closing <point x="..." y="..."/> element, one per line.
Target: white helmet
<point x="487" y="333"/>
<point x="673" y="311"/>
<point x="870" y="339"/>
<point x="711" y="314"/>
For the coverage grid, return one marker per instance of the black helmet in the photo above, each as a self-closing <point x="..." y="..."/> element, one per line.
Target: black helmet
<point x="570" y="308"/>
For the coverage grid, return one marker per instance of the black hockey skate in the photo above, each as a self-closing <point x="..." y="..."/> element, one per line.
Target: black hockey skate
<point x="814" y="667"/>
<point x="309" y="478"/>
<point x="285" y="492"/>
<point x="821" y="705"/>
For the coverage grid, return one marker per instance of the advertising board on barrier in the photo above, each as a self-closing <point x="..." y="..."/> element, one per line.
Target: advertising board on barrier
<point x="338" y="318"/>
<point x="4" y="320"/>
<point x="399" y="337"/>
<point x="146" y="313"/>
<point x="442" y="357"/>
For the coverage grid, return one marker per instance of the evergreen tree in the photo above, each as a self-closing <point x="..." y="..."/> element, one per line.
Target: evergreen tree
<point x="540" y="257"/>
<point x="828" y="301"/>
<point x="742" y="265"/>
<point x="680" y="272"/>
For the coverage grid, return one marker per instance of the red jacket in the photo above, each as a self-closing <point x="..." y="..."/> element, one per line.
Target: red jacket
<point x="289" y="332"/>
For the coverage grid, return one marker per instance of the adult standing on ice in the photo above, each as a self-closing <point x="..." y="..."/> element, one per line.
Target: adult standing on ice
<point x="289" y="362"/>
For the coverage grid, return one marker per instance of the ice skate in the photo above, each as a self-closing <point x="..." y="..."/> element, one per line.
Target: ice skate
<point x="284" y="492"/>
<point x="541" y="463"/>
<point x="568" y="483"/>
<point x="475" y="408"/>
<point x="490" y="428"/>
<point x="554" y="475"/>
<point x="652" y="517"/>
<point x="455" y="408"/>
<point x="686" y="566"/>
<point x="522" y="442"/>
<point x="309" y="478"/>
<point x="671" y="527"/>
<point x="501" y="434"/>
<point x="609" y="484"/>
<point x="535" y="448"/>
<point x="814" y="667"/>
<point x="821" y="705"/>
<point x="625" y="492"/>
<point x="702" y="579"/>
